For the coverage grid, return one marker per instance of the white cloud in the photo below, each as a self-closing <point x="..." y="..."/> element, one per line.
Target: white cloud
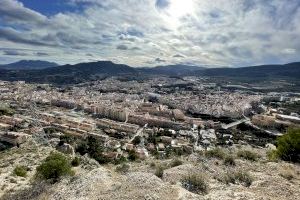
<point x="213" y="33"/>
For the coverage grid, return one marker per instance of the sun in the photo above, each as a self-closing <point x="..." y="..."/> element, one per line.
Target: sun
<point x="180" y="8"/>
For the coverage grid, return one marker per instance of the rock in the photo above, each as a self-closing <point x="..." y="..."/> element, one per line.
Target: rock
<point x="54" y="142"/>
<point x="208" y="134"/>
<point x="66" y="148"/>
<point x="178" y="114"/>
<point x="270" y="146"/>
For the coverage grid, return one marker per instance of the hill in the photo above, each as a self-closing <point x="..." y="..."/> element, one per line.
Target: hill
<point x="291" y="70"/>
<point x="69" y="74"/>
<point x="29" y="64"/>
<point x="172" y="70"/>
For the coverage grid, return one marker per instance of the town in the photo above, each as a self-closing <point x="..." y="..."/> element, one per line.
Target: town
<point x="156" y="118"/>
<point x="188" y="114"/>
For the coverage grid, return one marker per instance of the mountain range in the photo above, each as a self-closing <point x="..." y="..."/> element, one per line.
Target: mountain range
<point x="28" y="64"/>
<point x="68" y="74"/>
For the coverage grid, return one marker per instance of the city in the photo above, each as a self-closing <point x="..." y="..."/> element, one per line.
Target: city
<point x="149" y="100"/>
<point x="153" y="119"/>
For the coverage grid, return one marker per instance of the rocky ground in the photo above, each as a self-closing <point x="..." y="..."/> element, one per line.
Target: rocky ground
<point x="271" y="180"/>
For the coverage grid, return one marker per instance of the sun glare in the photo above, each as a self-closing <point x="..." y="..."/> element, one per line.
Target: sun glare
<point x="178" y="9"/>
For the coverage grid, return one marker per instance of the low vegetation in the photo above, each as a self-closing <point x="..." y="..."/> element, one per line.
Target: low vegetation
<point x="287" y="173"/>
<point x="20" y="171"/>
<point x="159" y="171"/>
<point x="54" y="167"/>
<point x="239" y="177"/>
<point x="176" y="162"/>
<point x="215" y="153"/>
<point x="288" y="145"/>
<point x="272" y="155"/>
<point x="6" y="110"/>
<point x="123" y="168"/>
<point x="195" y="183"/>
<point x="229" y="160"/>
<point x="248" y="155"/>
<point x="132" y="155"/>
<point x="94" y="148"/>
<point x="76" y="161"/>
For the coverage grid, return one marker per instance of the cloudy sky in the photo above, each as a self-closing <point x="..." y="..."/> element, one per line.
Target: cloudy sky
<point x="151" y="32"/>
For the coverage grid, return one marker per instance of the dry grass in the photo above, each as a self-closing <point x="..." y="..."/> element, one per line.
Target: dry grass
<point x="195" y="183"/>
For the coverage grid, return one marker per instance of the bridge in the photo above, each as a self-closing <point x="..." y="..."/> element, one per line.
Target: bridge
<point x="233" y="124"/>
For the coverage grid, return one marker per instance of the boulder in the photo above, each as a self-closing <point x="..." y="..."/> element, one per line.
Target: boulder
<point x="66" y="149"/>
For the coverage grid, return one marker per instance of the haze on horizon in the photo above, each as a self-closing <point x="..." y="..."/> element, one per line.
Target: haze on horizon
<point x="151" y="32"/>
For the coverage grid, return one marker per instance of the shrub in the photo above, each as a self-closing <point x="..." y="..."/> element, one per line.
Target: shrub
<point x="229" y="160"/>
<point x="6" y="110"/>
<point x="34" y="191"/>
<point x="215" y="153"/>
<point x="237" y="177"/>
<point x="137" y="140"/>
<point x="94" y="148"/>
<point x="120" y="160"/>
<point x="248" y="155"/>
<point x="124" y="168"/>
<point x="159" y="171"/>
<point x="20" y="171"/>
<point x="54" y="166"/>
<point x="176" y="162"/>
<point x="287" y="173"/>
<point x="195" y="183"/>
<point x="272" y="155"/>
<point x="76" y="162"/>
<point x="152" y="164"/>
<point x="132" y="155"/>
<point x="69" y="139"/>
<point x="288" y="145"/>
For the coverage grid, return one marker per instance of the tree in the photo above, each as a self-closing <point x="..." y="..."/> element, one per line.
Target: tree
<point x="54" y="166"/>
<point x="288" y="145"/>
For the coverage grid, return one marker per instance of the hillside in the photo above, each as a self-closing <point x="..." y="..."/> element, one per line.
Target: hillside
<point x="172" y="70"/>
<point x="70" y="74"/>
<point x="256" y="72"/>
<point x="29" y="64"/>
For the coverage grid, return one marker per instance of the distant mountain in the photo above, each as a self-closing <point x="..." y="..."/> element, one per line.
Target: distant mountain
<point x="291" y="70"/>
<point x="68" y="74"/>
<point x="171" y="70"/>
<point x="29" y="64"/>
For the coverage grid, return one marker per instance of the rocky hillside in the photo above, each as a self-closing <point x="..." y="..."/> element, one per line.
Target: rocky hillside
<point x="154" y="179"/>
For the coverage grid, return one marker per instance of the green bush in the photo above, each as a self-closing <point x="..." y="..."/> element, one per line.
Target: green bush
<point x="123" y="169"/>
<point x="6" y="110"/>
<point x="120" y="160"/>
<point x="137" y="140"/>
<point x="132" y="156"/>
<point x="229" y="160"/>
<point x="237" y="177"/>
<point x="54" y="166"/>
<point x="176" y="162"/>
<point x="159" y="171"/>
<point x="248" y="155"/>
<point x="94" y="148"/>
<point x="20" y="171"/>
<point x="288" y="145"/>
<point x="195" y="183"/>
<point x="152" y="164"/>
<point x="215" y="153"/>
<point x="272" y="155"/>
<point x="75" y="162"/>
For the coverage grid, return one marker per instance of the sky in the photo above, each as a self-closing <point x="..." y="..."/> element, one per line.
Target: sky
<point x="141" y="33"/>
